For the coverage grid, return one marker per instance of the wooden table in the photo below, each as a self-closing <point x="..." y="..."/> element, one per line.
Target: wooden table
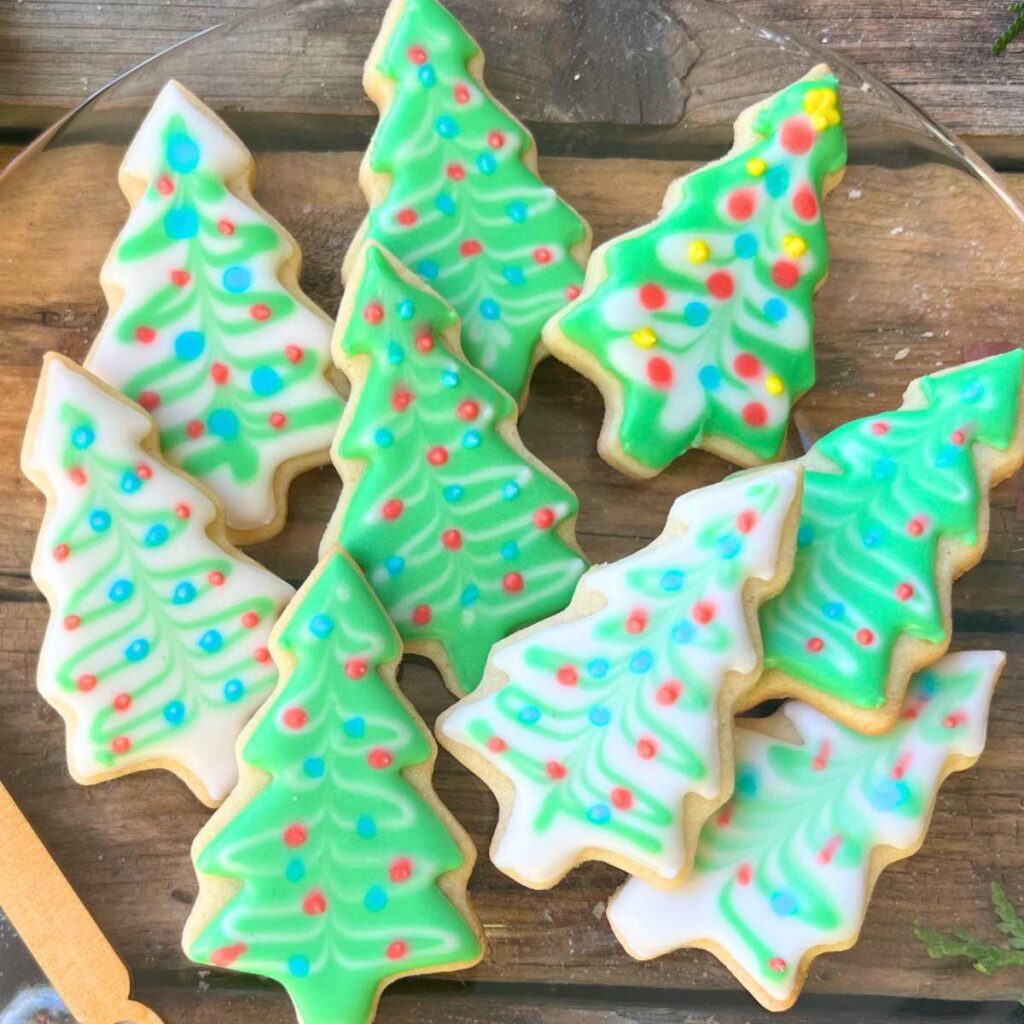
<point x="124" y="845"/>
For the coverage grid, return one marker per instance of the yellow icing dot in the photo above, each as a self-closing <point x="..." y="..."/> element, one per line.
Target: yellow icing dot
<point x="698" y="252"/>
<point x="773" y="384"/>
<point x="822" y="106"/>
<point x="794" y="246"/>
<point x="756" y="166"/>
<point x="645" y="338"/>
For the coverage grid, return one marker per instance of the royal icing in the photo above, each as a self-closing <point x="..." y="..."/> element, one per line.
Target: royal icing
<point x="156" y="650"/>
<point x="342" y="861"/>
<point x="608" y="719"/>
<point x="788" y="865"/>
<point x="699" y="325"/>
<point x="882" y="494"/>
<point x="203" y="332"/>
<point x="451" y="177"/>
<point x="464" y="536"/>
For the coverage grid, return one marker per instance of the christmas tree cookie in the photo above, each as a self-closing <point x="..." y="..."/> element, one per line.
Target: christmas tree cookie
<point x="156" y="652"/>
<point x="785" y="872"/>
<point x="463" y="534"/>
<point x="208" y="329"/>
<point x="333" y="867"/>
<point x="606" y="731"/>
<point x="698" y="327"/>
<point x="895" y="509"/>
<point x="451" y="178"/>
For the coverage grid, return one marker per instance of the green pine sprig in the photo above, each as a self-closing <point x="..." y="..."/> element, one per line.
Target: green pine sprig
<point x="1015" y="29"/>
<point x="985" y="957"/>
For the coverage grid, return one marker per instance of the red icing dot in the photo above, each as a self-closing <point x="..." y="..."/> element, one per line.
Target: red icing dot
<point x="744" y="874"/>
<point x="958" y="437"/>
<point x="401" y="399"/>
<point x="425" y="341"/>
<point x="471" y="247"/>
<point x="622" y="798"/>
<point x="916" y="526"/>
<point x="820" y="762"/>
<point x="149" y="400"/>
<point x="260" y="312"/>
<point x="180" y="277"/>
<point x="355" y="668"/>
<point x="401" y="870"/>
<point x="544" y="518"/>
<point x="652" y="296"/>
<point x="407" y="217"/>
<point x="746" y="521"/>
<point x="314" y="903"/>
<point x="164" y="185"/>
<point x="422" y="614"/>
<point x="720" y="285"/>
<point x="250" y="620"/>
<point x="659" y="373"/>
<point x="805" y="205"/>
<point x="227" y="955"/>
<point x="72" y="622"/>
<point x="417" y="55"/>
<point x="741" y="204"/>
<point x="572" y="293"/>
<point x="797" y="135"/>
<point x="194" y="429"/>
<point x="77" y="475"/>
<point x="904" y="592"/>
<point x="865" y="637"/>
<point x="379" y="758"/>
<point x="216" y="579"/>
<point x="879" y="428"/>
<point x="542" y="255"/>
<point x="724" y="818"/>
<point x="456" y="172"/>
<point x="497" y="745"/>
<point x="121" y="745"/>
<point x="955" y="719"/>
<point x="512" y="582"/>
<point x="567" y="675"/>
<point x="397" y="950"/>
<point x="703" y="612"/>
<point x="496" y="140"/>
<point x="143" y="471"/>
<point x="392" y="509"/>
<point x="777" y="964"/>
<point x="646" y="747"/>
<point x="668" y="693"/>
<point x="785" y="274"/>
<point x="295" y="835"/>
<point x="219" y="373"/>
<point x="468" y="410"/>
<point x="815" y="644"/>
<point x="755" y="414"/>
<point x="373" y="313"/>
<point x="295" y="718"/>
<point x="225" y="226"/>
<point x="452" y="539"/>
<point x="122" y="702"/>
<point x="637" y="621"/>
<point x="86" y="682"/>
<point x="461" y="92"/>
<point x="262" y="655"/>
<point x="277" y="420"/>
<point x="294" y="354"/>
<point x="747" y="366"/>
<point x="145" y="334"/>
<point x="182" y="511"/>
<point x="437" y="456"/>
<point x="557" y="770"/>
<point x="61" y="552"/>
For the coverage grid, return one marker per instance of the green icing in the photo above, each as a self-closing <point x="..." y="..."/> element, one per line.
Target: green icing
<point x="463" y="208"/>
<point x="704" y="321"/>
<point x="457" y="532"/>
<point x="339" y="857"/>
<point x="869" y="534"/>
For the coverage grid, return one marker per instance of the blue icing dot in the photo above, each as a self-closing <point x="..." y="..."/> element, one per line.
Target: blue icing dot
<point x="375" y="899"/>
<point x="510" y="550"/>
<point x="181" y="223"/>
<point x="672" y="581"/>
<point x="445" y="203"/>
<point x="710" y="377"/>
<point x="454" y="492"/>
<point x="948" y="455"/>
<point x="598" y="668"/>
<point x="514" y="275"/>
<point x="265" y="381"/>
<point x="888" y="794"/>
<point x="428" y="269"/>
<point x="972" y="392"/>
<point x="490" y="310"/>
<point x="82" y="437"/>
<point x="873" y="538"/>
<point x="471" y="439"/>
<point x="99" y="520"/>
<point x="518" y="211"/>
<point x="120" y="591"/>
<point x="314" y="767"/>
<point x="182" y="153"/>
<point x="406" y="309"/>
<point x="928" y="683"/>
<point x="599" y="814"/>
<point x="395" y="565"/>
<point x="487" y="163"/>
<point x="130" y="481"/>
<point x="470" y="596"/>
<point x="510" y="490"/>
<point x="156" y="535"/>
<point x="449" y="378"/>
<point x="833" y="610"/>
<point x="355" y="727"/>
<point x="641" y="662"/>
<point x="729" y="547"/>
<point x="776" y="181"/>
<point x="298" y="965"/>
<point x="395" y="354"/>
<point x="321" y="626"/>
<point x="884" y="468"/>
<point x="746" y="780"/>
<point x="233" y="690"/>
<point x="804" y="535"/>
<point x="211" y="641"/>
<point x="428" y="77"/>
<point x="184" y="593"/>
<point x="684" y="632"/>
<point x="236" y="279"/>
<point x="784" y="903"/>
<point x="696" y="314"/>
<point x="775" y="310"/>
<point x="745" y="246"/>
<point x="366" y="827"/>
<point x="174" y="712"/>
<point x="529" y="715"/>
<point x="189" y="345"/>
<point x="137" y="649"/>
<point x="295" y="871"/>
<point x="600" y="716"/>
<point x="383" y="438"/>
<point x="447" y="126"/>
<point x="223" y="423"/>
